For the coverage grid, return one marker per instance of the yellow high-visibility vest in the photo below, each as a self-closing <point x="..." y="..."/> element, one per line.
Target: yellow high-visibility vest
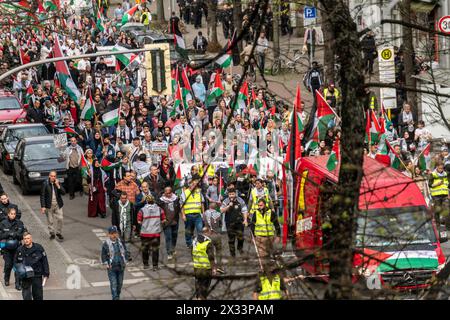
<point x="211" y="171"/>
<point x="442" y="189"/>
<point x="199" y="255"/>
<point x="193" y="203"/>
<point x="145" y="18"/>
<point x="270" y="291"/>
<point x="255" y="198"/>
<point x="263" y="225"/>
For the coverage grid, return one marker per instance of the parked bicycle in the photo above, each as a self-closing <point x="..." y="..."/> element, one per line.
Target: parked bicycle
<point x="293" y="64"/>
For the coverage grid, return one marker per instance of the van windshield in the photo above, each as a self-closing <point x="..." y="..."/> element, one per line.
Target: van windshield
<point x="394" y="227"/>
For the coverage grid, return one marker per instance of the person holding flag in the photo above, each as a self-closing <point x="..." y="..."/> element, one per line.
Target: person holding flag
<point x="96" y="179"/>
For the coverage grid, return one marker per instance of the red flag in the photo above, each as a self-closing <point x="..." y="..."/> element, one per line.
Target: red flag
<point x="285" y="209"/>
<point x="298" y="101"/>
<point x="24" y="57"/>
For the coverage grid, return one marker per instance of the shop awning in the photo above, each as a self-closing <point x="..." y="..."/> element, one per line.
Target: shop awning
<point x="422" y="6"/>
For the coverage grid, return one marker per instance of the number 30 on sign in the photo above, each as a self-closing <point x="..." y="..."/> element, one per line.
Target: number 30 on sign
<point x="444" y="24"/>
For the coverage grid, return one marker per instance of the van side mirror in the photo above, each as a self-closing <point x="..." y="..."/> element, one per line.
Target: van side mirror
<point x="443" y="237"/>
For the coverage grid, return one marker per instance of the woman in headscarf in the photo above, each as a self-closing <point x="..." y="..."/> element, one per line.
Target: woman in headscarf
<point x="94" y="143"/>
<point x="89" y="157"/>
<point x="199" y="89"/>
<point x="167" y="172"/>
<point x="97" y="192"/>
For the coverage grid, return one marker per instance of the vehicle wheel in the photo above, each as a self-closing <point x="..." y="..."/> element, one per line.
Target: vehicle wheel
<point x="24" y="187"/>
<point x="276" y="67"/>
<point x="15" y="181"/>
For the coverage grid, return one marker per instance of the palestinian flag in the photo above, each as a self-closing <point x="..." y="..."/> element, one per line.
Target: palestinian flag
<point x="84" y="166"/>
<point x="253" y="161"/>
<point x="49" y="5"/>
<point x="129" y="14"/>
<point x="108" y="165"/>
<point x="99" y="23"/>
<point x="89" y="109"/>
<point x="225" y="60"/>
<point x="221" y="186"/>
<point x="382" y="155"/>
<point x="395" y="158"/>
<point x="111" y="118"/>
<point x="29" y="95"/>
<point x="70" y="131"/>
<point x="186" y="89"/>
<point x="373" y="129"/>
<point x="126" y="58"/>
<point x="383" y="120"/>
<point x="173" y="76"/>
<point x="324" y="114"/>
<point x="63" y="73"/>
<point x="217" y="90"/>
<point x="333" y="160"/>
<point x="180" y="45"/>
<point x="178" y="178"/>
<point x="242" y="97"/>
<point x="424" y="158"/>
<point x="178" y="101"/>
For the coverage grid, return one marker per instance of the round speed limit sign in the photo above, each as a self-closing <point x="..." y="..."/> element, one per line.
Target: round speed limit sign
<point x="444" y="24"/>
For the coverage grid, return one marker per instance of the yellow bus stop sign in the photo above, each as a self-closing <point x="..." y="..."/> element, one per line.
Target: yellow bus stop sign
<point x="386" y="54"/>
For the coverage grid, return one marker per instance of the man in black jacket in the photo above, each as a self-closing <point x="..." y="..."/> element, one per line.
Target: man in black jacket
<point x="11" y="232"/>
<point x="35" y="114"/>
<point x="5" y="204"/>
<point x="52" y="203"/>
<point x="369" y="49"/>
<point x="33" y="255"/>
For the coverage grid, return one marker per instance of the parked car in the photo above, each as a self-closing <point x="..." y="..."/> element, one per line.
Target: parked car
<point x="11" y="111"/>
<point x="34" y="158"/>
<point x="10" y="137"/>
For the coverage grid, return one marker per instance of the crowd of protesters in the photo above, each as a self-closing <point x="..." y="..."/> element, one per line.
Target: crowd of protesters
<point x="116" y="165"/>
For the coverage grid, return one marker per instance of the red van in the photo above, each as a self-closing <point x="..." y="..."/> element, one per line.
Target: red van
<point x="397" y="238"/>
<point x="11" y="111"/>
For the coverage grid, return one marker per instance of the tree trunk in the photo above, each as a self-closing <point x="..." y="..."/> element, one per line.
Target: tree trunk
<point x="237" y="19"/>
<point x="346" y="192"/>
<point x="213" y="45"/>
<point x="160" y="11"/>
<point x="408" y="55"/>
<point x="276" y="28"/>
<point x="328" y="47"/>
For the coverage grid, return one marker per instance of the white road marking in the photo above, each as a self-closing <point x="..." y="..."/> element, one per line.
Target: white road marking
<point x="127" y="281"/>
<point x="98" y="230"/>
<point x="5" y="295"/>
<point x="44" y="227"/>
<point x="138" y="274"/>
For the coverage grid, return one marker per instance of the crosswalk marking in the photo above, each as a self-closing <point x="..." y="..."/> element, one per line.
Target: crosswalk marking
<point x="137" y="274"/>
<point x="127" y="281"/>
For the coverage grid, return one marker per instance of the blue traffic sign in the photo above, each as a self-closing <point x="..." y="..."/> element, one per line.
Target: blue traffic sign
<point x="309" y="13"/>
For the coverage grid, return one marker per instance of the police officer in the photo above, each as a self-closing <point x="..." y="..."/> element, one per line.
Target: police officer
<point x="11" y="232"/>
<point x="204" y="266"/>
<point x="236" y="213"/>
<point x="33" y="255"/>
<point x="192" y="209"/>
<point x="5" y="204"/>
<point x="439" y="191"/>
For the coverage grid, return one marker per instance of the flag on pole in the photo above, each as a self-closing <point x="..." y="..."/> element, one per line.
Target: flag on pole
<point x="108" y="165"/>
<point x="129" y="14"/>
<point x="89" y="109"/>
<point x="24" y="57"/>
<point x="178" y="178"/>
<point x="324" y="114"/>
<point x="334" y="158"/>
<point x="225" y="60"/>
<point x="297" y="101"/>
<point x="180" y="45"/>
<point x="424" y="158"/>
<point x="186" y="89"/>
<point x="49" y="5"/>
<point x="178" y="101"/>
<point x="217" y="90"/>
<point x="111" y="118"/>
<point x="99" y="23"/>
<point x="373" y="129"/>
<point x="70" y="131"/>
<point x="395" y="158"/>
<point x="63" y="73"/>
<point x="126" y="58"/>
<point x="84" y="166"/>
